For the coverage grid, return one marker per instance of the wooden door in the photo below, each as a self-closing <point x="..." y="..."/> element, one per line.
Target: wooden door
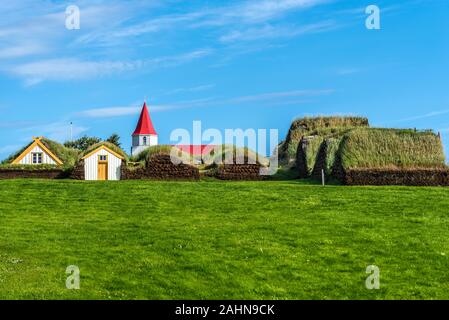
<point x="102" y="168"/>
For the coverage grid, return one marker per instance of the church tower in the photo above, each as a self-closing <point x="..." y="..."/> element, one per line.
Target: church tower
<point x="144" y="136"/>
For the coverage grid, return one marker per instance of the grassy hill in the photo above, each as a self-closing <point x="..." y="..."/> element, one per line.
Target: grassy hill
<point x="221" y="240"/>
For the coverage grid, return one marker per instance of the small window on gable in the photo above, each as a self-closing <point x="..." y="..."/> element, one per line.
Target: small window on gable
<point x="144" y="141"/>
<point x="36" y="157"/>
<point x="102" y="157"/>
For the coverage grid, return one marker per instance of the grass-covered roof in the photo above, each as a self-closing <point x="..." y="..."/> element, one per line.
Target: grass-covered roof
<point x="147" y="153"/>
<point x="326" y="127"/>
<point x="68" y="156"/>
<point x="107" y="144"/>
<point x="231" y="153"/>
<point x="391" y="148"/>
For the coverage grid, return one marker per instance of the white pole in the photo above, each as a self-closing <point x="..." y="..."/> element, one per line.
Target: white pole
<point x="71" y="131"/>
<point x="322" y="177"/>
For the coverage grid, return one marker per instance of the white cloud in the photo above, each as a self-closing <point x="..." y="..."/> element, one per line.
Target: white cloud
<point x="10" y="148"/>
<point x="73" y="69"/>
<point x="112" y="37"/>
<point x="243" y="14"/>
<point x="59" y="130"/>
<point x="191" y="89"/>
<point x="111" y="112"/>
<point x="14" y="124"/>
<point x="68" y="69"/>
<point x="427" y="115"/>
<point x="257" y="11"/>
<point x="43" y="24"/>
<point x="347" y="71"/>
<point x="269" y="31"/>
<point x="106" y="24"/>
<point x="135" y="108"/>
<point x="281" y="95"/>
<point x="21" y="50"/>
<point x="252" y="12"/>
<point x="29" y="35"/>
<point x="278" y="98"/>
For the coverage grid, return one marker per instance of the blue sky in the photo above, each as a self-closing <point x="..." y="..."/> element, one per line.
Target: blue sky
<point x="230" y="64"/>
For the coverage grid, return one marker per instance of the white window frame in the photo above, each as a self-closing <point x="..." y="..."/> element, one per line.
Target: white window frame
<point x="37" y="157"/>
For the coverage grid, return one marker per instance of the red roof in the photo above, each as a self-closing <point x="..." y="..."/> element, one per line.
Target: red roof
<point x="197" y="149"/>
<point x="144" y="126"/>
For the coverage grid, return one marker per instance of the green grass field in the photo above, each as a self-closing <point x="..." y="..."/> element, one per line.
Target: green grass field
<point x="221" y="240"/>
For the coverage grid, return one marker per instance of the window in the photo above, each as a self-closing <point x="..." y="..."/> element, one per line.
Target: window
<point x="144" y="141"/>
<point x="103" y="158"/>
<point x="36" y="157"/>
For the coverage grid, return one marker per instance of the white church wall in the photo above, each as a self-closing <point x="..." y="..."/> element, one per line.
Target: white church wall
<point x="139" y="145"/>
<point x="151" y="140"/>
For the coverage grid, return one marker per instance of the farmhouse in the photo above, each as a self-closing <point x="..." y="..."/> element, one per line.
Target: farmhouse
<point x="37" y="153"/>
<point x="102" y="163"/>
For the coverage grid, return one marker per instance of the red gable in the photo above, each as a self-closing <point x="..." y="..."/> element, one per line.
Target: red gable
<point x="144" y="126"/>
<point x="196" y="150"/>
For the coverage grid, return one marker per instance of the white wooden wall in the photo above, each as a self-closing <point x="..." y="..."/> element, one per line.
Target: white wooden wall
<point x="28" y="159"/>
<point x="91" y="166"/>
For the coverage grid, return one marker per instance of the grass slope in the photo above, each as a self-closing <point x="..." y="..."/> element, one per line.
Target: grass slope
<point x="215" y="240"/>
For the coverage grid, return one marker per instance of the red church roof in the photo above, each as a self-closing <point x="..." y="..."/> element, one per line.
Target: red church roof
<point x="197" y="149"/>
<point x="144" y="126"/>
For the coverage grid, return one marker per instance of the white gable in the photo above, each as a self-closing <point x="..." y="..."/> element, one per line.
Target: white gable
<point x="28" y="159"/>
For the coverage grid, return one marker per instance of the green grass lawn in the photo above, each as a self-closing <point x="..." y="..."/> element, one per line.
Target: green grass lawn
<point x="221" y="240"/>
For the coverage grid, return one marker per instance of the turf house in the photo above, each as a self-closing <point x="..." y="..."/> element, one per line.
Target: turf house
<point x="102" y="163"/>
<point x="348" y="150"/>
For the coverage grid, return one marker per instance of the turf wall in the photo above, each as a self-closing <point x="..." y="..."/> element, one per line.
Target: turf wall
<point x="32" y="174"/>
<point x="412" y="177"/>
<point x="326" y="157"/>
<point x="239" y="172"/>
<point x="160" y="167"/>
<point x="78" y="171"/>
